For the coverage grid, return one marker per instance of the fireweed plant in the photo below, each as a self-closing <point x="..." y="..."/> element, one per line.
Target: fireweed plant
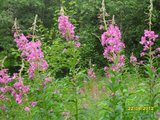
<point x="147" y="41"/>
<point x="149" y="55"/>
<point x="113" y="52"/>
<point x="15" y="86"/>
<point x="66" y="29"/>
<point x="113" y="46"/>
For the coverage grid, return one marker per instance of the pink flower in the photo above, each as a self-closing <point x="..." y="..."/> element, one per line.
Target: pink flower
<point x="106" y="68"/>
<point x="115" y="67"/>
<point x="107" y="74"/>
<point x="4" y="77"/>
<point x="101" y="27"/>
<point x="122" y="59"/>
<point x="78" y="44"/>
<point x="147" y="40"/>
<point x="111" y="40"/>
<point x="18" y="98"/>
<point x="141" y="62"/>
<point x="143" y="40"/>
<point x="26" y="89"/>
<point x="154" y="69"/>
<point x="91" y="73"/>
<point x="31" y="52"/>
<point x="76" y="37"/>
<point x="20" y="40"/>
<point x="142" y="54"/>
<point x="27" y="109"/>
<point x="158" y="49"/>
<point x="33" y="104"/>
<point x="150" y="34"/>
<point x="133" y="59"/>
<point x="47" y="80"/>
<point x="66" y="28"/>
<point x="20" y="86"/>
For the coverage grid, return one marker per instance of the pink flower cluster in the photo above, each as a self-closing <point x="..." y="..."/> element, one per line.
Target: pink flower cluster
<point x="4" y="77"/>
<point x="21" y="41"/>
<point x="66" y="29"/>
<point x="21" y="87"/>
<point x="91" y="73"/>
<point x="27" y="108"/>
<point x="148" y="40"/>
<point x="133" y="59"/>
<point x="16" y="91"/>
<point x="31" y="51"/>
<point x="119" y="64"/>
<point x="111" y="40"/>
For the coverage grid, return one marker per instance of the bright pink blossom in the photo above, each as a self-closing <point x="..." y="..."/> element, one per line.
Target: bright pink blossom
<point x="4" y="77"/>
<point x="111" y="40"/>
<point x="66" y="28"/>
<point x="148" y="39"/>
<point x="18" y="98"/>
<point x="150" y="34"/>
<point x="21" y="41"/>
<point x="20" y="86"/>
<point x="31" y="51"/>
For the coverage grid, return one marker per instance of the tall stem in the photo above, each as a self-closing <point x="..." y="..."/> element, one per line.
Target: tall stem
<point x="75" y="84"/>
<point x="104" y="14"/>
<point x="34" y="27"/>
<point x="2" y="63"/>
<point x="151" y="79"/>
<point x="22" y="67"/>
<point x="150" y="14"/>
<point x="76" y="104"/>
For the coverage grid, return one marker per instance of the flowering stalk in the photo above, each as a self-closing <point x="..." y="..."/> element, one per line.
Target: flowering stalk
<point x="147" y="41"/>
<point x="34" y="27"/>
<point x="32" y="53"/>
<point x="150" y="14"/>
<point x="113" y="46"/>
<point x="104" y="14"/>
<point x="66" y="29"/>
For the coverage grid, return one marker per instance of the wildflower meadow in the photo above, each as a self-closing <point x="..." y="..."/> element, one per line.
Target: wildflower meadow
<point x="71" y="66"/>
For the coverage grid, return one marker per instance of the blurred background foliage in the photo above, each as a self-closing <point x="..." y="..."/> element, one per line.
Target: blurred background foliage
<point x="130" y="15"/>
